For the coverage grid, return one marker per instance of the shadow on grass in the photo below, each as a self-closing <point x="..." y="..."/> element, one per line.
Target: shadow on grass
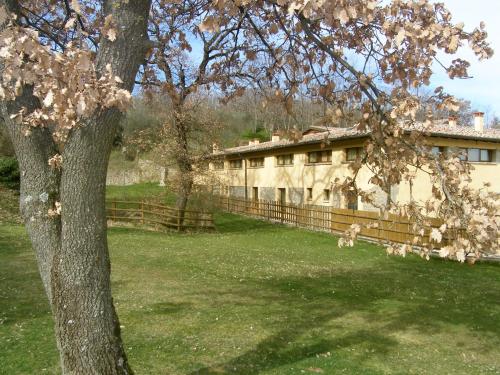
<point x="21" y="295"/>
<point x="276" y="352"/>
<point x="307" y="315"/>
<point x="229" y="223"/>
<point x="163" y="308"/>
<point x="302" y="312"/>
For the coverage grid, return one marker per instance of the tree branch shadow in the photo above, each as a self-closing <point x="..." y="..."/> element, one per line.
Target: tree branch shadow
<point x="310" y="307"/>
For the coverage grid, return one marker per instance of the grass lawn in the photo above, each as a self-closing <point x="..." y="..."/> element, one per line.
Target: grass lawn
<point x="139" y="191"/>
<point x="257" y="298"/>
<point x="197" y="201"/>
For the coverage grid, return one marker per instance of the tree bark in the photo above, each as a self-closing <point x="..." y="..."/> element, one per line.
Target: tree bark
<point x="39" y="185"/>
<point x="87" y="327"/>
<point x="183" y="163"/>
<point x="72" y="250"/>
<point x="186" y="186"/>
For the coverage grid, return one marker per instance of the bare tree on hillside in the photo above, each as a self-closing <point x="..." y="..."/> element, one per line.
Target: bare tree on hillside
<point x="173" y="70"/>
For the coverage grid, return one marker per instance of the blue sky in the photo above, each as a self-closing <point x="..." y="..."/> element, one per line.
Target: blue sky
<point x="484" y="89"/>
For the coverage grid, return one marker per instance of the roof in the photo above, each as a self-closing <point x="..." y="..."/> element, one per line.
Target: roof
<point x="317" y="136"/>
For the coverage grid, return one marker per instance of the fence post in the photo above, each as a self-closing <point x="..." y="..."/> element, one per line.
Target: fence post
<point x="282" y="208"/>
<point x="114" y="210"/>
<point x="142" y="212"/>
<point x="178" y="220"/>
<point x="331" y="219"/>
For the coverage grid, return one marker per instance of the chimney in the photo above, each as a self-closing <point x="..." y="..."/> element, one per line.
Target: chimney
<point x="452" y="121"/>
<point x="479" y="121"/>
<point x="275" y="138"/>
<point x="256" y="141"/>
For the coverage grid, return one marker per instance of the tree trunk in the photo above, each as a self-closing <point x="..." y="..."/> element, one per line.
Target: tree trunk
<point x="186" y="186"/>
<point x="72" y="250"/>
<point x="39" y="185"/>
<point x="183" y="163"/>
<point x="87" y="327"/>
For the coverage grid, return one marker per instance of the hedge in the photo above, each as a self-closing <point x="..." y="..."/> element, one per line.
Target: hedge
<point x="9" y="173"/>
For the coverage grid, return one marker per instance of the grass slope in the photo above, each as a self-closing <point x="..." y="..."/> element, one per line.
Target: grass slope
<point x="138" y="192"/>
<point x="256" y="298"/>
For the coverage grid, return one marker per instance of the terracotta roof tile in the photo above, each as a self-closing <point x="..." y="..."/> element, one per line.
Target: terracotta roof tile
<point x="333" y="134"/>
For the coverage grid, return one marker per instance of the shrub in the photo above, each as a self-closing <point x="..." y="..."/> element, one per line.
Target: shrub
<point x="6" y="148"/>
<point x="9" y="173"/>
<point x="259" y="133"/>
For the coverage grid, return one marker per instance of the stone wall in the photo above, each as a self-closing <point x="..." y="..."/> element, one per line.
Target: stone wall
<point x="296" y="195"/>
<point x="142" y="171"/>
<point x="237" y="191"/>
<point x="267" y="193"/>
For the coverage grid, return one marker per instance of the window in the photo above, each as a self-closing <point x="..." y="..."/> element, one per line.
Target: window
<point x="235" y="164"/>
<point x="256" y="162"/>
<point x="286" y="159"/>
<point x="204" y="165"/>
<point x="309" y="194"/>
<point x="353" y="153"/>
<point x="473" y="154"/>
<point x="352" y="201"/>
<point x="319" y="157"/>
<point x="437" y="150"/>
<point x="462" y="154"/>
<point x="486" y="156"/>
<point x="476" y="155"/>
<point x="326" y="195"/>
<point x="218" y="165"/>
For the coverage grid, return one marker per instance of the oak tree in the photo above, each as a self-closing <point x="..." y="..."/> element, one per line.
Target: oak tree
<point x="61" y="97"/>
<point x="187" y="61"/>
<point x="67" y="69"/>
<point x="379" y="53"/>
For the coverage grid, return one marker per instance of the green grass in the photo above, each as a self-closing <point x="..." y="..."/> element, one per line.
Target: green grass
<point x="198" y="200"/>
<point x="256" y="298"/>
<point x="137" y="191"/>
<point x="140" y="191"/>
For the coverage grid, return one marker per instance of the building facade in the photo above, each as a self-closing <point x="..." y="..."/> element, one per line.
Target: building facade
<point x="302" y="172"/>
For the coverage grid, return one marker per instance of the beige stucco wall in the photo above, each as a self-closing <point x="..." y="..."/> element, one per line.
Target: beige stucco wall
<point x="301" y="175"/>
<point x="481" y="173"/>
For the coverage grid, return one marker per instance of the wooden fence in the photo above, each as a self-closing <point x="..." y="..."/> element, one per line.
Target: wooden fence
<point x="324" y="218"/>
<point x="158" y="215"/>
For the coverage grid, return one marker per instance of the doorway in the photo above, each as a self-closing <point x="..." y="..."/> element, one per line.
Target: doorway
<point x="282" y="196"/>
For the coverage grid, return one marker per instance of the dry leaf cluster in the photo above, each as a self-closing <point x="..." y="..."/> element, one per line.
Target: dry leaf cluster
<point x="336" y="52"/>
